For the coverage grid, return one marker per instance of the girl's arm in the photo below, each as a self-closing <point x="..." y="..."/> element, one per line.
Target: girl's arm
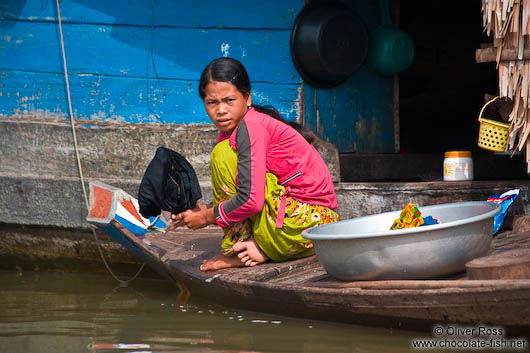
<point x="252" y="145"/>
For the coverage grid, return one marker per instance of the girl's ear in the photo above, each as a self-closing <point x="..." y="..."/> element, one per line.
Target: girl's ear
<point x="249" y="99"/>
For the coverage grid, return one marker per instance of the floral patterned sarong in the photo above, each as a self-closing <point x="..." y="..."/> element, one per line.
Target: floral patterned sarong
<point x="277" y="243"/>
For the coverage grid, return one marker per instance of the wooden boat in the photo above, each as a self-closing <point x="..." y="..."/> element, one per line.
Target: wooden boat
<point x="301" y="288"/>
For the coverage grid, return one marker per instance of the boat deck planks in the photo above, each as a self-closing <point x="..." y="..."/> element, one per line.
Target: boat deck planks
<point x="302" y="288"/>
<point x="509" y="241"/>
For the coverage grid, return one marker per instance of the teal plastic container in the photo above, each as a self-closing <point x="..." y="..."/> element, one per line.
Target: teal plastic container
<point x="391" y="50"/>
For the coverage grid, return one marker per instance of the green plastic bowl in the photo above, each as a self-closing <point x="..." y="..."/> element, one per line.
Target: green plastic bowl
<point x="391" y="50"/>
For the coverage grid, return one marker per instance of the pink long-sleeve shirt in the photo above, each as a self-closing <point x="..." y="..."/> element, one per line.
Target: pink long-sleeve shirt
<point x="265" y="144"/>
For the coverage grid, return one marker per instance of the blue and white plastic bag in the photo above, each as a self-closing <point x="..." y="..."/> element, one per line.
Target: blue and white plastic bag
<point x="505" y="200"/>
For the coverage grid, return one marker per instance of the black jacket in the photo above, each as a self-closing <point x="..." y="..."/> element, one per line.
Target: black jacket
<point x="169" y="183"/>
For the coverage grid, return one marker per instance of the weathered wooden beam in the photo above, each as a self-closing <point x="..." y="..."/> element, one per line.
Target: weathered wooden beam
<point x="423" y="284"/>
<point x="108" y="150"/>
<point x="511" y="265"/>
<point x="490" y="55"/>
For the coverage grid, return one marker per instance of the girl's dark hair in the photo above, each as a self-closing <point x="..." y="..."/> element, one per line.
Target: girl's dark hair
<point x="231" y="70"/>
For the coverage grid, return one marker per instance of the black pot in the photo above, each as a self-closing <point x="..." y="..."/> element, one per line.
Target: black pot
<point x="329" y="43"/>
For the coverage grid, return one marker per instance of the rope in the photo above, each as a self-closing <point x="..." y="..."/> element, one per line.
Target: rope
<point x="78" y="159"/>
<point x="122" y="282"/>
<point x="70" y="108"/>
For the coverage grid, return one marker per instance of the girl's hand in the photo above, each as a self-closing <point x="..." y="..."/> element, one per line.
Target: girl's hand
<point x="198" y="217"/>
<point x="175" y="221"/>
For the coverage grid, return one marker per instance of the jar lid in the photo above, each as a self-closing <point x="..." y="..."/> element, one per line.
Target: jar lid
<point x="457" y="154"/>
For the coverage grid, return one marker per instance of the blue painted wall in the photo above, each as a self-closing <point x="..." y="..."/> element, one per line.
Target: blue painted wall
<point x="115" y="49"/>
<point x="139" y="61"/>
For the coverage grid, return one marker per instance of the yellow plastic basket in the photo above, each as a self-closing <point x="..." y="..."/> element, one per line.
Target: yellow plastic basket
<point x="492" y="135"/>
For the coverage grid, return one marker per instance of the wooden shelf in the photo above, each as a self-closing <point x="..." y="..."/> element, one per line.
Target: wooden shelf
<point x="490" y="55"/>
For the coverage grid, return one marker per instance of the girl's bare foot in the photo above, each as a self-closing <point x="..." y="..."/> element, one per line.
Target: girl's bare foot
<point x="249" y="253"/>
<point x="221" y="261"/>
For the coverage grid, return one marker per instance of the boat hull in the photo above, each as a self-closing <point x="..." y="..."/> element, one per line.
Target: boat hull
<point x="302" y="288"/>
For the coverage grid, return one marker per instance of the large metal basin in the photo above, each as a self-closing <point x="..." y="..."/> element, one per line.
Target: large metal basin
<point x="364" y="248"/>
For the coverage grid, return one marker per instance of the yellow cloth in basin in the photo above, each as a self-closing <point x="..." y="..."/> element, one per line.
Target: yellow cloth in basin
<point x="410" y="217"/>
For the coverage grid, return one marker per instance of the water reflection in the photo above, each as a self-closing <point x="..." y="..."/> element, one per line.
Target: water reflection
<point x="48" y="312"/>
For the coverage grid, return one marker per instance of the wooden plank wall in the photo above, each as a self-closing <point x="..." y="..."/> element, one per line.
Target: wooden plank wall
<point x="140" y="61"/>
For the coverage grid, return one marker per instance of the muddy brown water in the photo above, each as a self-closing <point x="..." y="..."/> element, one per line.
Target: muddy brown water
<point x="57" y="312"/>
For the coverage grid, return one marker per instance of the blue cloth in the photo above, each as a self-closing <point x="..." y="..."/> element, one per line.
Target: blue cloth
<point x="428" y="221"/>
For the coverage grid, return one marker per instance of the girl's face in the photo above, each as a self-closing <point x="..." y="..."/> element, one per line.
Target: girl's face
<point x="225" y="105"/>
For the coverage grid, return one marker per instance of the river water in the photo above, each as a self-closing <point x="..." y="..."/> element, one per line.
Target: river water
<point x="58" y="312"/>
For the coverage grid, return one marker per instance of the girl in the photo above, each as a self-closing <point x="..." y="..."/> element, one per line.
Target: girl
<point x="269" y="183"/>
